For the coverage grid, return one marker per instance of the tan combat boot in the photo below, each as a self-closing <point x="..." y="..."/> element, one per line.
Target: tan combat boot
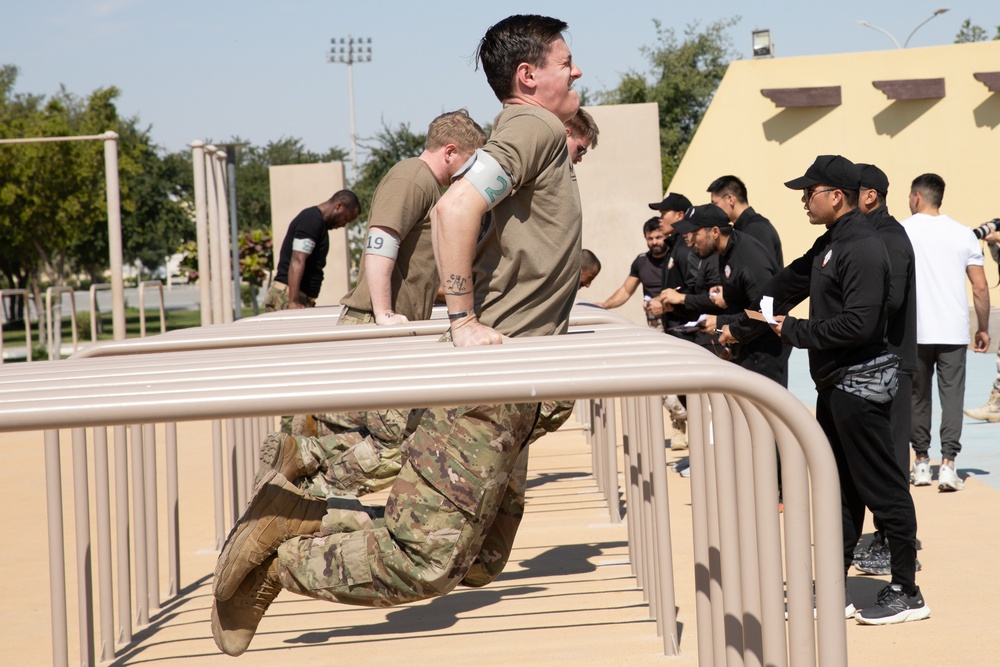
<point x="281" y="452"/>
<point x="278" y="511"/>
<point x="989" y="412"/>
<point x="235" y="621"/>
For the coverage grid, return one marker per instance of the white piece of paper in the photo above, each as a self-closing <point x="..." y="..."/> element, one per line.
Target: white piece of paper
<point x="693" y="325"/>
<point x="767" y="309"/>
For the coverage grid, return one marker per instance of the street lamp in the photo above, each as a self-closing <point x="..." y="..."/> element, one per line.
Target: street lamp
<point x="937" y="12"/>
<point x="349" y="51"/>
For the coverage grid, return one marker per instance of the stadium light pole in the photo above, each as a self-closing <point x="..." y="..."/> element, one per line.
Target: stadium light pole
<point x="937" y="12"/>
<point x="348" y="51"/>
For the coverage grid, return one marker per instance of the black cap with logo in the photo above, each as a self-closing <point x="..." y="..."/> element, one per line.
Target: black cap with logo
<point x="705" y="216"/>
<point x="835" y="171"/>
<point x="672" y="202"/>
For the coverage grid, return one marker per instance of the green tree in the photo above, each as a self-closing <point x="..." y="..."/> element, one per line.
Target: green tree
<point x="970" y="32"/>
<point x="253" y="190"/>
<point x="683" y="77"/>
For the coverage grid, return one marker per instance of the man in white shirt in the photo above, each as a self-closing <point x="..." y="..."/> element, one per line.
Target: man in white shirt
<point x="945" y="253"/>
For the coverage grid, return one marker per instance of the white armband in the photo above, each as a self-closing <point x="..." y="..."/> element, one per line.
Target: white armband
<point x="381" y="243"/>
<point x="487" y="176"/>
<point x="304" y="245"/>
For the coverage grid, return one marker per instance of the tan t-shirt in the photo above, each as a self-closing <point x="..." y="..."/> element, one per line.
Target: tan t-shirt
<point x="402" y="203"/>
<point x="528" y="262"/>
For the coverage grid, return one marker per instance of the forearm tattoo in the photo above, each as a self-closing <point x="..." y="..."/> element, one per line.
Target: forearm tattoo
<point x="457" y="285"/>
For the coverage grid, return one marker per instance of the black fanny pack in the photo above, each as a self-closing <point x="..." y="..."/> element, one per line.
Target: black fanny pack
<point x="874" y="380"/>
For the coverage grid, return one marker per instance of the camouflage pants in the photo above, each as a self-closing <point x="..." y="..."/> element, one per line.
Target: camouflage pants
<point x="357" y="461"/>
<point x="277" y="298"/>
<point x="457" y="471"/>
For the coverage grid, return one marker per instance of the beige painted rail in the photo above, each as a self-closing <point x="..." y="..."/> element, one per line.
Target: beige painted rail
<point x="258" y="368"/>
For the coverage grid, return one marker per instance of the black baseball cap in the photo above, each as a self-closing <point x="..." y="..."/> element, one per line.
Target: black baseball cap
<point x="873" y="178"/>
<point x="704" y="216"/>
<point x="672" y="202"/>
<point x="833" y="170"/>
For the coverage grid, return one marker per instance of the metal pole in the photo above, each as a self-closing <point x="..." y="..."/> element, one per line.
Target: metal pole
<point x="201" y="226"/>
<point x="234" y="232"/>
<point x="57" y="554"/>
<point x="354" y="134"/>
<point x="84" y="578"/>
<point x="214" y="236"/>
<point x="225" y="243"/>
<point x="114" y="235"/>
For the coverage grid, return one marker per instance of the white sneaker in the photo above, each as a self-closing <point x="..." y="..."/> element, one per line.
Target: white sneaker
<point x="948" y="479"/>
<point x="921" y="473"/>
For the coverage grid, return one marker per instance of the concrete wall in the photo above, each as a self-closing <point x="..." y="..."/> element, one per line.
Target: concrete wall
<point x="743" y="133"/>
<point x="618" y="180"/>
<point x="298" y="186"/>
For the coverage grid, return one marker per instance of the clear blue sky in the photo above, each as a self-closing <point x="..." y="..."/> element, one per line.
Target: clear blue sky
<point x="257" y="68"/>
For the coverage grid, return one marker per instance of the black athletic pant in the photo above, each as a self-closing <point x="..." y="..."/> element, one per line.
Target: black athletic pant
<point x="861" y="438"/>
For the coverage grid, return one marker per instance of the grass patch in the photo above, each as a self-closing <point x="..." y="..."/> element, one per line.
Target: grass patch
<point x="13" y="332"/>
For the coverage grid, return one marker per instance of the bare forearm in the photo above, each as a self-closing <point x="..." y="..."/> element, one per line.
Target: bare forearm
<point x="455" y="224"/>
<point x="378" y="275"/>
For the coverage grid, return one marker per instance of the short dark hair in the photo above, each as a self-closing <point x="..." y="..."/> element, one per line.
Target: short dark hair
<point x="583" y="126"/>
<point x="930" y="187"/>
<point x="851" y="197"/>
<point x="729" y="185"/>
<point x="589" y="261"/>
<point x="347" y="199"/>
<point x="651" y="225"/>
<point x="522" y="38"/>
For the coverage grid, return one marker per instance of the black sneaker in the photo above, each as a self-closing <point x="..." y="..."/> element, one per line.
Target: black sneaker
<point x="879" y="562"/>
<point x="861" y="552"/>
<point x="894" y="606"/>
<point x="876" y="561"/>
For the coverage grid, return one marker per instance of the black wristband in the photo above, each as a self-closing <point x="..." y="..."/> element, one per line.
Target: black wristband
<point x="458" y="316"/>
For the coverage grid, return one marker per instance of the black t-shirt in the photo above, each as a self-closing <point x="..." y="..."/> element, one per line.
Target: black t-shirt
<point x="649" y="271"/>
<point x="310" y="228"/>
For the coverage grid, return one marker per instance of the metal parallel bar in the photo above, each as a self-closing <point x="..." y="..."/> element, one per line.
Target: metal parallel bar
<point x="105" y="579"/>
<point x="239" y="473"/>
<point x="229" y="472"/>
<point x="27" y="319"/>
<point x="142" y="307"/>
<point x="139" y="521"/>
<point x="84" y="581"/>
<point x="645" y="476"/>
<point x="173" y="513"/>
<point x="247" y="471"/>
<point x="57" y="553"/>
<point x="746" y="506"/>
<point x="697" y="438"/>
<point x="671" y="368"/>
<point x="152" y="517"/>
<point x="768" y="536"/>
<point x="632" y="501"/>
<point x="716" y="580"/>
<point x="124" y="633"/>
<point x="798" y="551"/>
<point x="729" y="548"/>
<point x="667" y="613"/>
<point x="596" y="454"/>
<point x="218" y="476"/>
<point x="610" y="432"/>
<point x="51" y="336"/>
<point x="94" y="312"/>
